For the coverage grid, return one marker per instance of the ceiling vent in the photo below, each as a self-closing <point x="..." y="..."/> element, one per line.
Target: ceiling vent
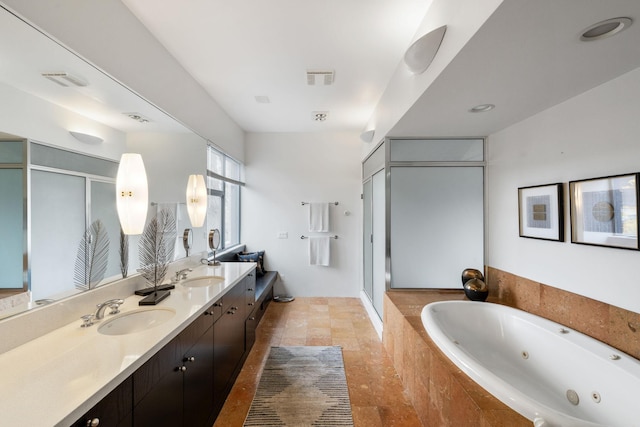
<point x="320" y="77"/>
<point x="65" y="79"/>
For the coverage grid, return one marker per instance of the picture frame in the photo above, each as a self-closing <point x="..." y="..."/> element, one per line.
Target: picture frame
<point x="541" y="212"/>
<point x="604" y="211"/>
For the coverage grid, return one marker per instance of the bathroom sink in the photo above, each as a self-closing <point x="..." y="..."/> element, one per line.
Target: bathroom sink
<point x="136" y="321"/>
<point x="201" y="282"/>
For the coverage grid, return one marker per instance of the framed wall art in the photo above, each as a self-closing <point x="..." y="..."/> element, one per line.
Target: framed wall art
<point x="604" y="211"/>
<point x="541" y="211"/>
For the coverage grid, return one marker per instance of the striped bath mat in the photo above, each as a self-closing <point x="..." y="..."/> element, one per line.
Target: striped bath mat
<point x="302" y="386"/>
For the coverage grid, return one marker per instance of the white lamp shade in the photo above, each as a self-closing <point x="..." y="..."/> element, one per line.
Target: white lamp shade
<point x="132" y="193"/>
<point x="197" y="200"/>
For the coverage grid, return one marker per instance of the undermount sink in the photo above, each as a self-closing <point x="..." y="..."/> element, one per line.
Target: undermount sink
<point x="136" y="321"/>
<point x="201" y="282"/>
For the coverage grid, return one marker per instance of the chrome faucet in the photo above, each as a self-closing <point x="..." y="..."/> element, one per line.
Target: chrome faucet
<point x="113" y="304"/>
<point x="181" y="274"/>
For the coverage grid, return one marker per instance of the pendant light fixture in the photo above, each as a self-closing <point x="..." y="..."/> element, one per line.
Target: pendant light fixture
<point x="132" y="193"/>
<point x="196" y="200"/>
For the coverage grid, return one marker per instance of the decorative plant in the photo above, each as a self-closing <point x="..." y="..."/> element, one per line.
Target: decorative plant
<point x="156" y="247"/>
<point x="93" y="257"/>
<point x="124" y="254"/>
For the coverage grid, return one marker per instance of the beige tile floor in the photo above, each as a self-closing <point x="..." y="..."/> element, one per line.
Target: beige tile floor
<point x="376" y="393"/>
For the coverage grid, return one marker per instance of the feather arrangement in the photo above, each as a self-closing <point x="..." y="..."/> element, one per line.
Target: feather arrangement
<point x="93" y="257"/>
<point x="124" y="254"/>
<point x="156" y="247"/>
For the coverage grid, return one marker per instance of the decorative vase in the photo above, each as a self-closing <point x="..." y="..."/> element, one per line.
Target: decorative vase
<point x="476" y="290"/>
<point x="471" y="273"/>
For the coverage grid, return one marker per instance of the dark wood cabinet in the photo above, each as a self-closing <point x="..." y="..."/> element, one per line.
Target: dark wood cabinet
<point x="228" y="345"/>
<point x="157" y="388"/>
<point x="114" y="410"/>
<point x="187" y="381"/>
<point x="198" y="382"/>
<point x="175" y="386"/>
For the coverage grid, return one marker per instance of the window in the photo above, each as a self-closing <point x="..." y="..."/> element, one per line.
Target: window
<point x="224" y="180"/>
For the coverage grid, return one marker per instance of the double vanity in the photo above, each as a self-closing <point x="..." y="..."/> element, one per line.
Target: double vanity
<point x="169" y="364"/>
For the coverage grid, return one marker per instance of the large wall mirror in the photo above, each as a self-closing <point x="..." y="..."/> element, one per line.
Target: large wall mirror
<point x="54" y="186"/>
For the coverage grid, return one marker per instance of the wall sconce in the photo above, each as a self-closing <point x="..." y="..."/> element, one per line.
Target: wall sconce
<point x="86" y="138"/>
<point x="132" y="193"/>
<point x="420" y="54"/>
<point x="196" y="200"/>
<point x="367" y="135"/>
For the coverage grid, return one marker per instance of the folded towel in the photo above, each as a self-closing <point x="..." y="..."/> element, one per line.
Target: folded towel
<point x="319" y="217"/>
<point x="319" y="250"/>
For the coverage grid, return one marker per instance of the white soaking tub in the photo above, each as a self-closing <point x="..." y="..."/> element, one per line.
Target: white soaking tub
<point x="550" y="374"/>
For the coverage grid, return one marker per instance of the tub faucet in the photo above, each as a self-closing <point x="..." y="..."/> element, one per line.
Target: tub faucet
<point x="113" y="304"/>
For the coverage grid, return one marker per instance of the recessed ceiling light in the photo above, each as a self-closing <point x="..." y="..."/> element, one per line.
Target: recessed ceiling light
<point x="319" y="116"/>
<point x="482" y="108"/>
<point x="605" y="29"/>
<point x="137" y="117"/>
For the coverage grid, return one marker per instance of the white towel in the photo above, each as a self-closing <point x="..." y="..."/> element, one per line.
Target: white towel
<point x="319" y="217"/>
<point x="319" y="250"/>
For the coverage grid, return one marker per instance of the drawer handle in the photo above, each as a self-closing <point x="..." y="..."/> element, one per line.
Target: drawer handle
<point x="234" y="308"/>
<point x="252" y="318"/>
<point x="182" y="368"/>
<point x="190" y="359"/>
<point x="93" y="423"/>
<point x="250" y="303"/>
<point x="231" y="312"/>
<point x="250" y="289"/>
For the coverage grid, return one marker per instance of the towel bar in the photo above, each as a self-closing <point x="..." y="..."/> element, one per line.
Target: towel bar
<point x="330" y="203"/>
<point x="306" y="237"/>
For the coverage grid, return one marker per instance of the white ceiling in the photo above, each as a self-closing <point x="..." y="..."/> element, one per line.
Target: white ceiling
<point x="241" y="49"/>
<point x="525" y="58"/>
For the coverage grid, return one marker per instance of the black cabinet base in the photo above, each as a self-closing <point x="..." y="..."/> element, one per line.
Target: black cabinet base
<point x="147" y="291"/>
<point x="154" y="298"/>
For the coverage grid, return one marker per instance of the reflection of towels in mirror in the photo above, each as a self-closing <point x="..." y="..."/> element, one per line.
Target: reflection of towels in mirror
<point x="319" y="250"/>
<point x="319" y="217"/>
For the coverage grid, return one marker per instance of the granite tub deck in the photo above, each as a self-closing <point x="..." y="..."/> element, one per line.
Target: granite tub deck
<point x="441" y="394"/>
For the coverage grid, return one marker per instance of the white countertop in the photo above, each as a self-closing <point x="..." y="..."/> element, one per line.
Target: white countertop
<point x="56" y="378"/>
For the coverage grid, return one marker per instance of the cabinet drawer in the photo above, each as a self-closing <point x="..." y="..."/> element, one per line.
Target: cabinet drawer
<point x="198" y="327"/>
<point x="249" y="283"/>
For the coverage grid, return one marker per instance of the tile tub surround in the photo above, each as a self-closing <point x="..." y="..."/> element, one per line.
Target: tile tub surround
<point x="612" y="325"/>
<point x="57" y="377"/>
<point x="442" y="394"/>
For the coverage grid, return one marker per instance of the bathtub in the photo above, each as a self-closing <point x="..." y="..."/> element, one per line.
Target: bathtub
<point x="550" y="374"/>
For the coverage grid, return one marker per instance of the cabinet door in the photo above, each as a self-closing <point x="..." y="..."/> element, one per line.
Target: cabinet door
<point x="157" y="388"/>
<point x="198" y="382"/>
<point x="250" y="329"/>
<point x="249" y="283"/>
<point x="228" y="349"/>
<point x="114" y="410"/>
